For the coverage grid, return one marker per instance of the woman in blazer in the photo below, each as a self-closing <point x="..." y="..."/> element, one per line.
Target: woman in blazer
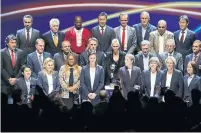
<point x="173" y="78"/>
<point x="69" y="77"/>
<point x="151" y="79"/>
<point x="191" y="81"/>
<point x="92" y="80"/>
<point x="48" y="79"/>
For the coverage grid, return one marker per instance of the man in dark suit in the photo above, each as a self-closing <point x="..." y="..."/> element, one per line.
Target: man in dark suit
<point x="184" y="37"/>
<point x="53" y="38"/>
<point x="170" y="52"/>
<point x="35" y="59"/>
<point x="92" y="47"/>
<point x="104" y="33"/>
<point x="27" y="36"/>
<point x="195" y="56"/>
<point x="143" y="29"/>
<point x="126" y="35"/>
<point x="60" y="57"/>
<point x="142" y="59"/>
<point x="11" y="60"/>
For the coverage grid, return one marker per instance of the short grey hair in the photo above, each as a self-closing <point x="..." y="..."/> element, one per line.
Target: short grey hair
<point x="28" y="16"/>
<point x="171" y="58"/>
<point x="170" y="41"/>
<point x="156" y="60"/>
<point x="123" y="14"/>
<point x="131" y="57"/>
<point x="198" y="41"/>
<point x="93" y="39"/>
<point x="144" y="12"/>
<point x="54" y="20"/>
<point x="38" y="40"/>
<point x="145" y="42"/>
<point x="115" y="41"/>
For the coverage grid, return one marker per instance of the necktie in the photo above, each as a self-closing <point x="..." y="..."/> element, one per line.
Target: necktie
<point x="40" y="61"/>
<point x="13" y="58"/>
<point x="28" y="37"/>
<point x="71" y="79"/>
<point x="102" y="31"/>
<point x="55" y="40"/>
<point x="182" y="36"/>
<point x="195" y="58"/>
<point x="123" y="38"/>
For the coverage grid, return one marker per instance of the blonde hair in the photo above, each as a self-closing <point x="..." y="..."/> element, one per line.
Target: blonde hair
<point x="46" y="61"/>
<point x="76" y="67"/>
<point x="156" y="60"/>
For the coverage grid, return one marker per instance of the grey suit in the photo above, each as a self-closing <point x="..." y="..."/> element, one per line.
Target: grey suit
<point x="179" y="60"/>
<point x="42" y="81"/>
<point x="21" y="40"/>
<point x="185" y="47"/>
<point x="59" y="60"/>
<point x="21" y="84"/>
<point x="7" y="71"/>
<point x="194" y="84"/>
<point x="139" y="60"/>
<point x="33" y="62"/>
<point x="127" y="82"/>
<point x="105" y="40"/>
<point x="154" y="40"/>
<point x="146" y="82"/>
<point x="83" y="59"/>
<point x="85" y="82"/>
<point x="49" y="43"/>
<point x="176" y="83"/>
<point x="131" y="38"/>
<point x="138" y="29"/>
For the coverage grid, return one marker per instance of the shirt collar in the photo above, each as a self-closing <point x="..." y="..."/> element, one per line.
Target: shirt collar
<point x="185" y="31"/>
<point x="171" y="53"/>
<point x="191" y="76"/>
<point x="123" y="27"/>
<point x="38" y="53"/>
<point x="101" y="27"/>
<point x="196" y="55"/>
<point x="29" y="29"/>
<point x="54" y="33"/>
<point x="163" y="33"/>
<point x="78" y="30"/>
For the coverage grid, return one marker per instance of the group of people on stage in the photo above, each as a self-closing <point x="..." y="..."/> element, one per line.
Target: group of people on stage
<point x="81" y="62"/>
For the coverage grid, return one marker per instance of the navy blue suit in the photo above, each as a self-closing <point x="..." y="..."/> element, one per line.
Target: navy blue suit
<point x="176" y="84"/>
<point x="85" y="82"/>
<point x="146" y="82"/>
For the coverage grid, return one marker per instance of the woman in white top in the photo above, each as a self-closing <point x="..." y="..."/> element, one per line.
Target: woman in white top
<point x="173" y="78"/>
<point x="151" y="79"/>
<point x="48" y="79"/>
<point x="91" y="80"/>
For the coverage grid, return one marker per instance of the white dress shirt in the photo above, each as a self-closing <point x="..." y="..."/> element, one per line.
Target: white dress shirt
<point x="78" y="36"/>
<point x="100" y="29"/>
<point x="185" y="33"/>
<point x="30" y="32"/>
<point x="50" y="82"/>
<point x="129" y="70"/>
<point x="39" y="57"/>
<point x="161" y="43"/>
<point x="190" y="79"/>
<point x="168" y="80"/>
<point x="126" y="39"/>
<point x="92" y="77"/>
<point x="28" y="84"/>
<point x="143" y="32"/>
<point x="146" y="62"/>
<point x="153" y="81"/>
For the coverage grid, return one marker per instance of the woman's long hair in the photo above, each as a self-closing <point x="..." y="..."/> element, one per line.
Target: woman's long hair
<point x="46" y="61"/>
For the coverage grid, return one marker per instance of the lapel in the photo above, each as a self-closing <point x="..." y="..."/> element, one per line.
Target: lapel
<point x="8" y="54"/>
<point x="36" y="58"/>
<point x="192" y="81"/>
<point x="140" y="31"/>
<point x="32" y="36"/>
<point x="157" y="79"/>
<point x="147" y="32"/>
<point x="88" y="76"/>
<point x="50" y="38"/>
<point x="119" y="33"/>
<point x="46" y="82"/>
<point x="149" y="81"/>
<point x="54" y="80"/>
<point x="128" y="32"/>
<point x="186" y="81"/>
<point x="23" y="34"/>
<point x="172" y="79"/>
<point x="141" y="60"/>
<point x="106" y="30"/>
<point x="177" y="35"/>
<point x="25" y="86"/>
<point x="96" y="77"/>
<point x="187" y="36"/>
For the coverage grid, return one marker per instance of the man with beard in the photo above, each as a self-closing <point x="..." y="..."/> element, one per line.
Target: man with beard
<point x="60" y="57"/>
<point x="78" y="36"/>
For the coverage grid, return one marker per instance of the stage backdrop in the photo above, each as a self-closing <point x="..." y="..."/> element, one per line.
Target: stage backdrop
<point x="65" y="10"/>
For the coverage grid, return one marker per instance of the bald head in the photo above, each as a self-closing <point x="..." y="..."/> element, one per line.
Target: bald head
<point x="78" y="22"/>
<point x="162" y="25"/>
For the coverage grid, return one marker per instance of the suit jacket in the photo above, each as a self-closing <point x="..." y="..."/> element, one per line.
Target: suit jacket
<point x="85" y="82"/>
<point x="60" y="61"/>
<point x="42" y="81"/>
<point x="108" y="61"/>
<point x="188" y="59"/>
<point x="139" y="60"/>
<point x="146" y="82"/>
<point x="104" y="40"/>
<point x="194" y="84"/>
<point x="185" y="47"/>
<point x="138" y="29"/>
<point x="83" y="59"/>
<point x="176" y="84"/>
<point x="49" y="43"/>
<point x="179" y="60"/>
<point x="33" y="62"/>
<point x="7" y="71"/>
<point x="21" y="40"/>
<point x="21" y="84"/>
<point x="127" y="82"/>
<point x="131" y="38"/>
<point x="154" y="40"/>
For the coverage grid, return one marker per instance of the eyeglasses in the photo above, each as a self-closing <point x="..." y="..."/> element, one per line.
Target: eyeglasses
<point x="162" y="27"/>
<point x="27" y="22"/>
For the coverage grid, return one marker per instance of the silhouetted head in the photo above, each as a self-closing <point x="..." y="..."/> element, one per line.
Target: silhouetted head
<point x="103" y="95"/>
<point x="196" y="95"/>
<point x="169" y="95"/>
